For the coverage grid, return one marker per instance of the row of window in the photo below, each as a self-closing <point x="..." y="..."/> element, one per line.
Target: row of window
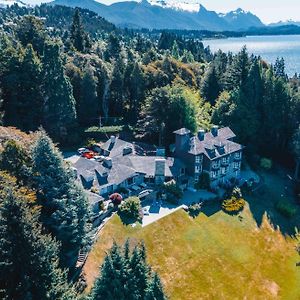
<point x="224" y="160"/>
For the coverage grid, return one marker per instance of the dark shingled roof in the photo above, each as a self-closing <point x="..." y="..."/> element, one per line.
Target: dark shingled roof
<point x="215" y="146"/>
<point x="116" y="149"/>
<point x="123" y="167"/>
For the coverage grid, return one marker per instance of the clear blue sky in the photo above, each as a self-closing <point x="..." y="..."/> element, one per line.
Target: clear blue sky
<point x="267" y="10"/>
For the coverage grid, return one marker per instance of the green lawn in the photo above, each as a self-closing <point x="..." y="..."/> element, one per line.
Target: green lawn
<point x="214" y="256"/>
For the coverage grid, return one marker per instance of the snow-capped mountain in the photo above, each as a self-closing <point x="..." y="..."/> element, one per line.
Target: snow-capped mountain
<point x="189" y="6"/>
<point x="4" y="3"/>
<point x="167" y="14"/>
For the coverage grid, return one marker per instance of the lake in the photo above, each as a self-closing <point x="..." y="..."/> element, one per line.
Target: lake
<point x="268" y="47"/>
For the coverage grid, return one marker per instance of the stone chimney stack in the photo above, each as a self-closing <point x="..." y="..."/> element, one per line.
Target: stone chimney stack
<point x="112" y="139"/>
<point x="201" y="134"/>
<point x="107" y="163"/>
<point x="215" y="130"/>
<point x="160" y="166"/>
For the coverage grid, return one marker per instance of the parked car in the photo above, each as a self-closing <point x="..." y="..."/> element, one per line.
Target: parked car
<point x="81" y="150"/>
<point x="145" y="193"/>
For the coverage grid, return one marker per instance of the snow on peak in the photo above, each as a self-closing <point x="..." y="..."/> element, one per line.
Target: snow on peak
<point x="12" y="2"/>
<point x="186" y="5"/>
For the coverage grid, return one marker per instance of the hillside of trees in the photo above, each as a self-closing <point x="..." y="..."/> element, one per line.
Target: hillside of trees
<point x="63" y="70"/>
<point x="65" y="78"/>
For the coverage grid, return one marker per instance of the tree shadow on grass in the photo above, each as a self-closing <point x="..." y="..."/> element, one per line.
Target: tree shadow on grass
<point x="129" y="221"/>
<point x="209" y="208"/>
<point x="276" y="188"/>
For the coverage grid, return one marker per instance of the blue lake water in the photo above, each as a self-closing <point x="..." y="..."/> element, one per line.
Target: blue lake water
<point x="268" y="47"/>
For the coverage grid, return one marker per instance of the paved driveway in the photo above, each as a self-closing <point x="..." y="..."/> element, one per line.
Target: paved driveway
<point x="161" y="210"/>
<point x="158" y="211"/>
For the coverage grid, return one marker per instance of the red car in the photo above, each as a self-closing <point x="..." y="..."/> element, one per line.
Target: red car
<point x="88" y="155"/>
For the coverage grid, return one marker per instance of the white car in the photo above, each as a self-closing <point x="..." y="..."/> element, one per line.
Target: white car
<point x="146" y="211"/>
<point x="81" y="150"/>
<point x="145" y="193"/>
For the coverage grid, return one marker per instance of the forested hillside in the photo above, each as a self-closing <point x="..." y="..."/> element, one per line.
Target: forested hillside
<point x="64" y="70"/>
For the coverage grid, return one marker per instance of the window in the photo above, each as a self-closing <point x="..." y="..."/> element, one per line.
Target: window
<point x="197" y="169"/>
<point x="225" y="160"/>
<point x="197" y="178"/>
<point x="182" y="171"/>
<point x="237" y="165"/>
<point x="237" y="155"/>
<point x="213" y="174"/>
<point x="198" y="159"/>
<point x="223" y="171"/>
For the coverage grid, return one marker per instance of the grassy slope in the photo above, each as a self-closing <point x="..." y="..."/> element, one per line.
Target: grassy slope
<point x="217" y="257"/>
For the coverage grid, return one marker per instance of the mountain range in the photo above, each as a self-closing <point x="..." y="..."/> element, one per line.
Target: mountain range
<point x="167" y="14"/>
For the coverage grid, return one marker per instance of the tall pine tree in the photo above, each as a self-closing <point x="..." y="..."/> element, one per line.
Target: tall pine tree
<point x="65" y="211"/>
<point x="59" y="110"/>
<point x="28" y="258"/>
<point x="126" y="275"/>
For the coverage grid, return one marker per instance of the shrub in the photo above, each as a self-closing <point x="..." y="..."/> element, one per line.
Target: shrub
<point x="235" y="203"/>
<point x="90" y="143"/>
<point x="130" y="209"/>
<point x="266" y="163"/>
<point x="286" y="209"/>
<point x="102" y="132"/>
<point x="195" y="209"/>
<point x="204" y="182"/>
<point x="101" y="205"/>
<point x="94" y="190"/>
<point x="173" y="192"/>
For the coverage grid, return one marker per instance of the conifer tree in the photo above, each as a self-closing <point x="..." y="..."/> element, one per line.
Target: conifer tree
<point x="89" y="104"/>
<point x="113" y="50"/>
<point x="210" y="87"/>
<point x="59" y="112"/>
<point x="30" y="102"/>
<point x="137" y="91"/>
<point x="279" y="68"/>
<point x="126" y="275"/>
<point x="237" y="72"/>
<point x="155" y="290"/>
<point x="15" y="160"/>
<point x="175" y="50"/>
<point x="78" y="35"/>
<point x="116" y="104"/>
<point x="31" y="30"/>
<point x="28" y="258"/>
<point x="65" y="211"/>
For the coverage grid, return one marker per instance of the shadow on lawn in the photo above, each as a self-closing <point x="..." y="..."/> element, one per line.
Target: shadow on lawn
<point x="276" y="187"/>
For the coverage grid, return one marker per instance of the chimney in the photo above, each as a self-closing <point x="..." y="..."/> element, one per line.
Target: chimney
<point x="182" y="139"/>
<point x="107" y="162"/>
<point x="160" y="166"/>
<point x="214" y="130"/>
<point x="112" y="139"/>
<point x="201" y="134"/>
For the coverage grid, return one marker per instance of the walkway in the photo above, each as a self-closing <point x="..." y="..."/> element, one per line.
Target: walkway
<point x="158" y="211"/>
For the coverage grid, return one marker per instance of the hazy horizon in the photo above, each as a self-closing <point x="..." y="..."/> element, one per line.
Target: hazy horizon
<point x="266" y="10"/>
